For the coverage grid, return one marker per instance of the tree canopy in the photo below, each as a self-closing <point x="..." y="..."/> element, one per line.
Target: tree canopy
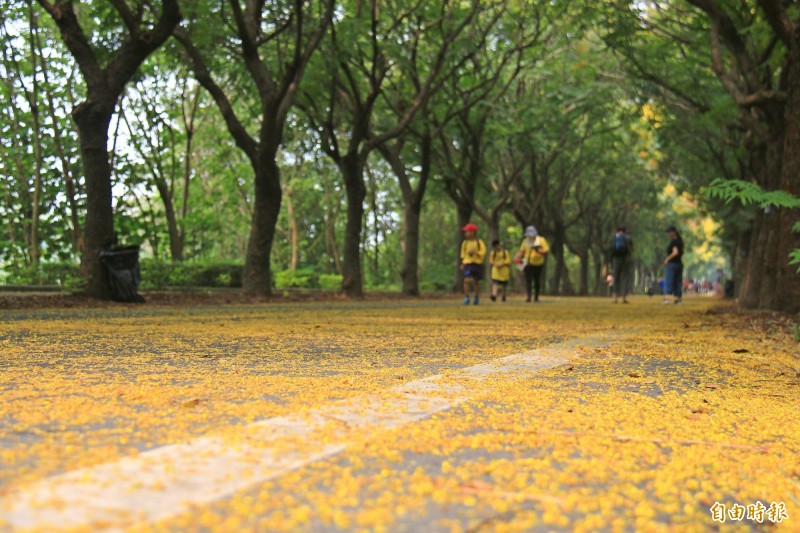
<point x="345" y="143"/>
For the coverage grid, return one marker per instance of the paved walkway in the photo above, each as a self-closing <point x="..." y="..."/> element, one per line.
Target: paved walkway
<point x="405" y="416"/>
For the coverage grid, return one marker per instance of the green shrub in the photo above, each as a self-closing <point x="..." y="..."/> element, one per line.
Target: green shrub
<point x="302" y="278"/>
<point x="383" y="287"/>
<point x="155" y="274"/>
<point x="75" y="284"/>
<point x="330" y="282"/>
<point x="44" y="274"/>
<point x="434" y="286"/>
<point x="218" y="275"/>
<point x="436" y="277"/>
<point x="159" y="275"/>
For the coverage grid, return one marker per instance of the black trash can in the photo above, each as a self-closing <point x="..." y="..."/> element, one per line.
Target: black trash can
<point x="122" y="264"/>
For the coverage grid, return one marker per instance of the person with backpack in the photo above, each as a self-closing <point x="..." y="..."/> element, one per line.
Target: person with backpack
<point x="500" y="260"/>
<point x="619" y="258"/>
<point x="473" y="251"/>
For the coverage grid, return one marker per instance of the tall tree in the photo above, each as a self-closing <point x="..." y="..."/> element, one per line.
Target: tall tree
<point x="482" y="72"/>
<point x="369" y="45"/>
<point x="751" y="48"/>
<point x="274" y="44"/>
<point x="693" y="119"/>
<point x="106" y="69"/>
<point x="784" y="19"/>
<point x="483" y="120"/>
<point x="741" y="62"/>
<point x="40" y="198"/>
<point x="160" y="121"/>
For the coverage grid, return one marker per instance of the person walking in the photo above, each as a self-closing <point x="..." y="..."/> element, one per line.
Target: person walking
<point x="500" y="260"/>
<point x="531" y="257"/>
<point x="619" y="259"/>
<point x="473" y="251"/>
<point x="673" y="263"/>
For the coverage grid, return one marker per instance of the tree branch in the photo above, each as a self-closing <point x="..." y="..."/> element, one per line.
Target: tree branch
<point x="778" y="19"/>
<point x="140" y="45"/>
<point x="237" y="130"/>
<point x="76" y="41"/>
<point x="130" y="20"/>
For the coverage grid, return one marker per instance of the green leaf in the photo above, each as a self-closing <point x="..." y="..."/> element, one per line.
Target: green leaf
<point x="794" y="258"/>
<point x="750" y="193"/>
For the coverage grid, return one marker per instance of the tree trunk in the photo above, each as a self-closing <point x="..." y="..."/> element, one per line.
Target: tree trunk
<point x="93" y="118"/>
<point x="352" y="169"/>
<point x="740" y="259"/>
<point x="557" y="251"/>
<point x="257" y="276"/>
<point x="294" y="232"/>
<point x="583" y="289"/>
<point x="566" y="283"/>
<point x="331" y="247"/>
<point x="755" y="285"/>
<point x="597" y="260"/>
<point x="376" y="232"/>
<point x="767" y="260"/>
<point x="189" y="126"/>
<point x="36" y="198"/>
<point x="767" y="293"/>
<point x="493" y="228"/>
<point x="751" y="276"/>
<point x="175" y="245"/>
<point x="787" y="293"/>
<point x="412" y="212"/>
<point x="105" y="83"/>
<point x="69" y="181"/>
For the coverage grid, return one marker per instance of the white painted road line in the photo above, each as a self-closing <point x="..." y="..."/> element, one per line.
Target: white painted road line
<point x="174" y="479"/>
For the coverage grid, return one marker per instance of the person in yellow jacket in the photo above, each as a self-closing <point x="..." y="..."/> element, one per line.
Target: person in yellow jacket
<point x="500" y="260"/>
<point x="473" y="251"/>
<point x="530" y="257"/>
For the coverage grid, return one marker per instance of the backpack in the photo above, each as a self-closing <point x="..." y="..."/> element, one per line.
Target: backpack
<point x="502" y="255"/>
<point x="620" y="245"/>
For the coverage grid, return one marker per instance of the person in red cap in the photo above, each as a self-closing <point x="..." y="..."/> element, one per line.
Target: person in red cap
<point x="473" y="250"/>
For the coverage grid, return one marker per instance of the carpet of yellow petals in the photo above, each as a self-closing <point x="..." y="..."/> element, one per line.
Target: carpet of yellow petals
<point x="685" y="409"/>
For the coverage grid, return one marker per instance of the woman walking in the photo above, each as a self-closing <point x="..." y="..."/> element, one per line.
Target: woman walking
<point x="531" y="257"/>
<point x="673" y="263"/>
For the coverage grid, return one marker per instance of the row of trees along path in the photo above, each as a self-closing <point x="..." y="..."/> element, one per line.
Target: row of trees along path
<point x="420" y="83"/>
